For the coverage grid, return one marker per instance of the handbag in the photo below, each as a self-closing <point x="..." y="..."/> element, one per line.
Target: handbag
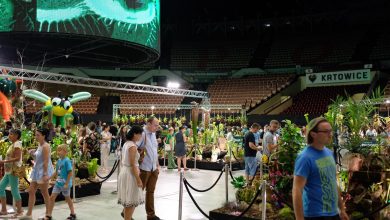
<point x="167" y="147"/>
<point x="18" y="171"/>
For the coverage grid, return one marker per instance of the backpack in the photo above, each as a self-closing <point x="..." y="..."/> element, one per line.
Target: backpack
<point x="93" y="142"/>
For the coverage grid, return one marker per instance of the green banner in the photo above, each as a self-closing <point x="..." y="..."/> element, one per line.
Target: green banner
<point x="339" y="77"/>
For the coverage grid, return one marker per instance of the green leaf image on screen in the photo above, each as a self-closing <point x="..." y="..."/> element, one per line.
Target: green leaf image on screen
<point x="6" y="12"/>
<point x="136" y="21"/>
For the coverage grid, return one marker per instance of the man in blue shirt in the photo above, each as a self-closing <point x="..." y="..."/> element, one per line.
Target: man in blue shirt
<point x="149" y="167"/>
<point x="315" y="192"/>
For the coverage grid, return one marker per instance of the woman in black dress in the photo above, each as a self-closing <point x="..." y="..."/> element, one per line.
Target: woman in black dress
<point x="180" y="148"/>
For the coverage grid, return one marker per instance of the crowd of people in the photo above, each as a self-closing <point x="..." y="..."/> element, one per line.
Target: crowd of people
<point x="138" y="150"/>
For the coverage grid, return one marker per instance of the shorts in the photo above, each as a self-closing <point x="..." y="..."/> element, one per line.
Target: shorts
<point x="250" y="166"/>
<point x="58" y="190"/>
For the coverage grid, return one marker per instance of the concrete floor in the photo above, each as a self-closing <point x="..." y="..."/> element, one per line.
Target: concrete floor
<point x="104" y="206"/>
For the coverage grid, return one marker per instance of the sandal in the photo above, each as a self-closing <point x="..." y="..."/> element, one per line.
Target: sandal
<point x="3" y="213"/>
<point x="45" y="218"/>
<point x="71" y="217"/>
<point x="18" y="214"/>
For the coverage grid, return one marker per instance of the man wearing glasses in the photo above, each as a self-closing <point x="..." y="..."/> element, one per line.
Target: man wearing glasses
<point x="149" y="167"/>
<point x="315" y="192"/>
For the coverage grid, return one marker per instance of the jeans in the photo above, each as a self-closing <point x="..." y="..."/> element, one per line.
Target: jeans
<point x="13" y="181"/>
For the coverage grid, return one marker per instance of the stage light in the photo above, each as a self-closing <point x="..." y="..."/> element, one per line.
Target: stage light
<point x="174" y="85"/>
<point x="267" y="25"/>
<point x="387" y="101"/>
<point x="152" y="107"/>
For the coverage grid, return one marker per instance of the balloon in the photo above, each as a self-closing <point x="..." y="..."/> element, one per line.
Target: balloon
<point x="7" y="86"/>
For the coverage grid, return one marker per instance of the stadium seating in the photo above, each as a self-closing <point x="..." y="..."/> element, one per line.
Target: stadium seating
<point x="382" y="48"/>
<point x="247" y="91"/>
<point x="311" y="49"/>
<point x="219" y="55"/>
<point x="315" y="100"/>
<point x="146" y="98"/>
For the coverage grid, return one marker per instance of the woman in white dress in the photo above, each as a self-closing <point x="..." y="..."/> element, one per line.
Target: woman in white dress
<point x="130" y="193"/>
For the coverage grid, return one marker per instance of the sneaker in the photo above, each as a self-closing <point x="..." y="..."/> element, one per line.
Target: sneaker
<point x="155" y="218"/>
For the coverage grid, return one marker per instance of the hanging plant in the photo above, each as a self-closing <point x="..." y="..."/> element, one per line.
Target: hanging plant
<point x="133" y="119"/>
<point x="124" y="119"/>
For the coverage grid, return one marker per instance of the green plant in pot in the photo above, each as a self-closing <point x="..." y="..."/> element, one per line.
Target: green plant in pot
<point x="281" y="173"/>
<point x="93" y="167"/>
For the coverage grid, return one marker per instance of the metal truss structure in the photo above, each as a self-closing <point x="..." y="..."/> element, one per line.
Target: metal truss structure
<point x="40" y="76"/>
<point x="116" y="107"/>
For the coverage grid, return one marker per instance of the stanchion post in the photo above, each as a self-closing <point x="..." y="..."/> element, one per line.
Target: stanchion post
<point x="264" y="200"/>
<point x="117" y="174"/>
<point x="73" y="182"/>
<point x="261" y="169"/>
<point x="196" y="147"/>
<point x="180" y="196"/>
<point x="230" y="152"/>
<point x="226" y="182"/>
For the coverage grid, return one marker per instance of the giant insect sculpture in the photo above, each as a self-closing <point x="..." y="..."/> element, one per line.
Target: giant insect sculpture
<point x="61" y="107"/>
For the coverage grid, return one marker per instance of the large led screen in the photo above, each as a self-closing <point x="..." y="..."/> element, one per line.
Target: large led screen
<point x="135" y="21"/>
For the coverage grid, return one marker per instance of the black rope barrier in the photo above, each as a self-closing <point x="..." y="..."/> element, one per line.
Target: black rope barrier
<point x="106" y="177"/>
<point x="207" y="216"/>
<point x="234" y="156"/>
<point x="205" y="190"/>
<point x="250" y="205"/>
<point x="375" y="211"/>
<point x="193" y="200"/>
<point x="231" y="175"/>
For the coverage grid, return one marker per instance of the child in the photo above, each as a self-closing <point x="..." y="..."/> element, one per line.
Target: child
<point x="64" y="181"/>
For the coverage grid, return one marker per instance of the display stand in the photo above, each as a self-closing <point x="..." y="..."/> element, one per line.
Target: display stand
<point x="75" y="200"/>
<point x="89" y="189"/>
<point x="196" y="149"/>
<point x="117" y="174"/>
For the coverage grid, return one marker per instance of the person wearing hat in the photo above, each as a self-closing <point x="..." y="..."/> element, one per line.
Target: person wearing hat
<point x="315" y="192"/>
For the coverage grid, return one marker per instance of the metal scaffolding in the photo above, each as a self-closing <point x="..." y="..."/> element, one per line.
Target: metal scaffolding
<point x="206" y="106"/>
<point x="40" y="76"/>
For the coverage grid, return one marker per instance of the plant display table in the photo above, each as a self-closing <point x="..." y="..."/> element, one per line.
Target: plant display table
<point x="83" y="190"/>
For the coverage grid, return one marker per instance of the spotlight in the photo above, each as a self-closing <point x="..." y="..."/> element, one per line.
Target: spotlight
<point x="174" y="85"/>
